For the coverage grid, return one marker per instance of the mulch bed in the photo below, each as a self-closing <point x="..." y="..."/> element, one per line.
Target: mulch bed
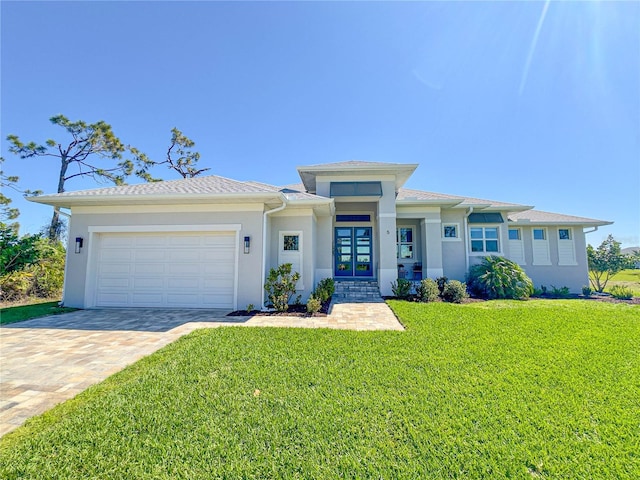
<point x="293" y="311"/>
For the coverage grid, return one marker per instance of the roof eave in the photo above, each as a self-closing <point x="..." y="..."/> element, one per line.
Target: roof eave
<point x="594" y="223"/>
<point x="155" y="199"/>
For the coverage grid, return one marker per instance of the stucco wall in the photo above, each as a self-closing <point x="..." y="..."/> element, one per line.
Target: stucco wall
<point x="249" y="284"/>
<point x="454" y="252"/>
<point x="572" y="276"/>
<point x="303" y="223"/>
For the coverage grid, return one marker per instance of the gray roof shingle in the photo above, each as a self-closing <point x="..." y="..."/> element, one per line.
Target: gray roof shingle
<point x="539" y="216"/>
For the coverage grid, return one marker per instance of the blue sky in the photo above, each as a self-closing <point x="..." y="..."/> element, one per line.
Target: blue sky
<point x="528" y="102"/>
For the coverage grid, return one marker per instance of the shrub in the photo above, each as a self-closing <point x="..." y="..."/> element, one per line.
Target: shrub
<point x="401" y="288"/>
<point x="313" y="305"/>
<point x="427" y="290"/>
<point x="586" y="290"/>
<point x="48" y="273"/>
<point x="621" y="292"/>
<point x="441" y="281"/>
<point x="280" y="286"/>
<point x="42" y="278"/>
<point x="15" y="285"/>
<point x="497" y="277"/>
<point x="562" y="292"/>
<point x="454" y="292"/>
<point x="250" y="307"/>
<point x="324" y="290"/>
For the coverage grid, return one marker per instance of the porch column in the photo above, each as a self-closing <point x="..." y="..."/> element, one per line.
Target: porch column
<point x="388" y="270"/>
<point x="432" y="245"/>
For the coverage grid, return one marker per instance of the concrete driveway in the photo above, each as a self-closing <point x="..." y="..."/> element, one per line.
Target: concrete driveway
<point x="51" y="359"/>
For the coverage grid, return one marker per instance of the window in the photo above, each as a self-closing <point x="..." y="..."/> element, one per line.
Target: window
<point x="450" y="231"/>
<point x="291" y="243"/>
<point x="566" y="248"/>
<point x="484" y="239"/>
<point x="516" y="246"/>
<point x="290" y="246"/>
<point x="353" y="218"/>
<point x="355" y="189"/>
<point x="541" y="254"/>
<point x="404" y="239"/>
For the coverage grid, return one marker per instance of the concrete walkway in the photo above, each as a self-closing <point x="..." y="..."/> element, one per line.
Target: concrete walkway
<point x="48" y="360"/>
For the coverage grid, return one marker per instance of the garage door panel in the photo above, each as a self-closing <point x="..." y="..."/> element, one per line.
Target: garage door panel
<point x="149" y="268"/>
<point x="176" y="299"/>
<point x="185" y="256"/>
<point x="184" y="283"/>
<point x="114" y="269"/>
<point x="166" y="269"/>
<point x="185" y="240"/>
<point x="113" y="282"/>
<point x="217" y="271"/>
<point x="115" y="255"/>
<point x="147" y="255"/>
<point x="147" y="300"/>
<point x="117" y="241"/>
<point x="150" y="241"/>
<point x="156" y="283"/>
<point x="112" y="299"/>
<point x="218" y="239"/>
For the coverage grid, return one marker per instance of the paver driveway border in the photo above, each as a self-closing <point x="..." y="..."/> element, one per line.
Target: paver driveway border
<point x="48" y="360"/>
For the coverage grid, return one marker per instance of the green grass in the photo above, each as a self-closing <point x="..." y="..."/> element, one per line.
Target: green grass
<point x="34" y="310"/>
<point x="627" y="278"/>
<point x="537" y="389"/>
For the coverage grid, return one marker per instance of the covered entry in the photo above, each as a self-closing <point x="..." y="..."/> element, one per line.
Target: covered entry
<point x="354" y="252"/>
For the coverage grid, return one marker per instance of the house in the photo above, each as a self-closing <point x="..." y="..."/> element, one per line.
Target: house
<point x="207" y="242"/>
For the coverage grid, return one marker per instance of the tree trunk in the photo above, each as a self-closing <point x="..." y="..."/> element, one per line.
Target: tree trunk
<point x="56" y="225"/>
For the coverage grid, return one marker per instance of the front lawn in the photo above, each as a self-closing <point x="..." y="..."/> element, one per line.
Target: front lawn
<point x="33" y="310"/>
<point x="536" y="389"/>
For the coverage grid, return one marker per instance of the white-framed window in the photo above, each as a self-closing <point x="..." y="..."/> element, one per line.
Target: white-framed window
<point x="539" y="234"/>
<point x="451" y="231"/>
<point x="540" y="243"/>
<point x="291" y="242"/>
<point x="566" y="247"/>
<point x="405" y="242"/>
<point x="564" y="234"/>
<point x="516" y="246"/>
<point x="485" y="239"/>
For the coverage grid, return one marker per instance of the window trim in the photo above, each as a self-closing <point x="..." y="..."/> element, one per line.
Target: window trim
<point x="292" y="253"/>
<point x="562" y="242"/>
<point x="484" y="251"/>
<point x="569" y="232"/>
<point x="545" y="231"/>
<point x="457" y="238"/>
<point x="400" y="243"/>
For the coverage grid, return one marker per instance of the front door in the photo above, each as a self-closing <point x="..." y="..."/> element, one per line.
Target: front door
<point x="354" y="252"/>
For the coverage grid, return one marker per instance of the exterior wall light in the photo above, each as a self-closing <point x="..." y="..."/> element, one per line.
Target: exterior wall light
<point x="79" y="242"/>
<point x="247" y="244"/>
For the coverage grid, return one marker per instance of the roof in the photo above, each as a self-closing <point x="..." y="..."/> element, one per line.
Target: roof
<point x="402" y="171"/>
<point x="179" y="191"/>
<point x="406" y="195"/>
<point x="538" y="217"/>
<point x="225" y="190"/>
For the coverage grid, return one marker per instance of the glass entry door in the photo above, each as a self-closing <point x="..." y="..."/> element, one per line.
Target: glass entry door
<point x="354" y="252"/>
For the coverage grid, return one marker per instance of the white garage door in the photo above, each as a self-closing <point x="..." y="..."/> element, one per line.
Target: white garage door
<point x="190" y="269"/>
